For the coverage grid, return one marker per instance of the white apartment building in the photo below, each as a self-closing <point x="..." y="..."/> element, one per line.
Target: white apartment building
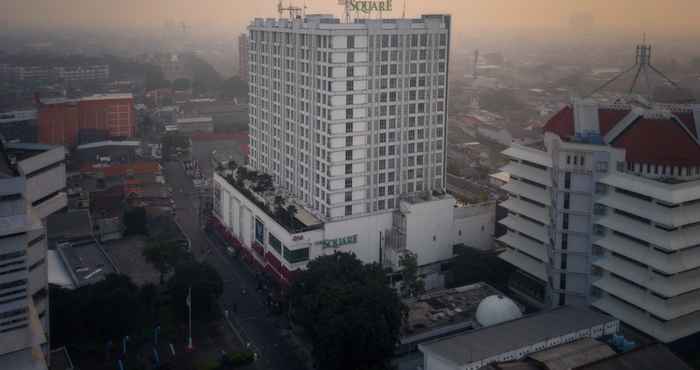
<point x="607" y="213"/>
<point x="32" y="183"/>
<point x="347" y="117"/>
<point x="97" y="72"/>
<point x="349" y="121"/>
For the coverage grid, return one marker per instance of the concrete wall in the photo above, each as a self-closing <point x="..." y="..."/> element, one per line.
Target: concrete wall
<point x="474" y="226"/>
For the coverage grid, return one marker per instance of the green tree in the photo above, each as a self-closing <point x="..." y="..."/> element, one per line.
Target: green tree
<point x="135" y="221"/>
<point x="471" y="266"/>
<point x="164" y="256"/>
<point x="154" y="78"/>
<point x="206" y="284"/>
<point x="349" y="312"/>
<point x="234" y="87"/>
<point x="107" y="310"/>
<point x="182" y="84"/>
<point x="411" y="284"/>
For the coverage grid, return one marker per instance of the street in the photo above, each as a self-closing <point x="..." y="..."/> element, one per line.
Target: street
<point x="266" y="333"/>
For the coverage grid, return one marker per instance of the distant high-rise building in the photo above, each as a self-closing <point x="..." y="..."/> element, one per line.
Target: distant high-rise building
<point x="60" y="120"/>
<point x="607" y="213"/>
<point x="243" y="57"/>
<point x="32" y="183"/>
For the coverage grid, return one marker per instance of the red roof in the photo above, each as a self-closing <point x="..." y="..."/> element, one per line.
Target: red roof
<point x="659" y="141"/>
<point x="136" y="168"/>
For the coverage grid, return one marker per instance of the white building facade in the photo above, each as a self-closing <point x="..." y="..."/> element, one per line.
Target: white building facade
<point x="607" y="215"/>
<point x="347" y="117"/>
<point x="32" y="185"/>
<point x="427" y="227"/>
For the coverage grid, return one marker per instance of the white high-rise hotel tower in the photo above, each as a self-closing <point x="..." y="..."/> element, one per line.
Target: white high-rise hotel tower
<point x="349" y="116"/>
<point x="349" y="119"/>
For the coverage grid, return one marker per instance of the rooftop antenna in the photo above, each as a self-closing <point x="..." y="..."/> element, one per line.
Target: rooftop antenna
<point x="294" y="11"/>
<point x="641" y="65"/>
<point x="346" y="13"/>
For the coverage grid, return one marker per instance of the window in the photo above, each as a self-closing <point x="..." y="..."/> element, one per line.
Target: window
<point x="565" y="221"/>
<point x="13" y="255"/>
<point x="348" y="141"/>
<point x="349" y="85"/>
<point x="348" y="169"/>
<point x="564" y="241"/>
<point x="348" y="126"/>
<point x="275" y="243"/>
<point x="350" y="71"/>
<point x="294" y="256"/>
<point x="563" y="261"/>
<point x="348" y="196"/>
<point x="567" y="180"/>
<point x="349" y="113"/>
<point x="351" y="42"/>
<point x="348" y="155"/>
<point x="348" y="99"/>
<point x="562" y="299"/>
<point x="567" y="197"/>
<point x="601" y="166"/>
<point x="348" y="210"/>
<point x="562" y="281"/>
<point x="348" y="182"/>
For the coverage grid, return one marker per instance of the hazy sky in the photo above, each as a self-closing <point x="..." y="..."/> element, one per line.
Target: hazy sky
<point x="659" y="18"/>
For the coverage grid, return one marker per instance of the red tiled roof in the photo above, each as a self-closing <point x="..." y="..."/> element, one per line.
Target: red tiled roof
<point x="659" y="141"/>
<point x="562" y="123"/>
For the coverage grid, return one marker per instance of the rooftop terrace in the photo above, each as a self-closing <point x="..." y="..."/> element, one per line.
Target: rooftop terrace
<point x="444" y="312"/>
<point x="259" y="189"/>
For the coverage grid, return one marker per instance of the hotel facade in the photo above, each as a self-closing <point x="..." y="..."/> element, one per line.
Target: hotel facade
<point x="349" y="120"/>
<point x="607" y="214"/>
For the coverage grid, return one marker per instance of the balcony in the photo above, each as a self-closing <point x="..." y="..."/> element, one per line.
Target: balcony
<point x="51" y="205"/>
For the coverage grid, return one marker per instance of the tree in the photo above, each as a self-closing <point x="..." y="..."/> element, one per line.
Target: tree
<point x="107" y="310"/>
<point x="411" y="284"/>
<point x="154" y="78"/>
<point x="182" y="84"/>
<point x="234" y="87"/>
<point x="164" y="256"/>
<point x="206" y="284"/>
<point x="471" y="266"/>
<point x="349" y="312"/>
<point x="204" y="77"/>
<point x="135" y="221"/>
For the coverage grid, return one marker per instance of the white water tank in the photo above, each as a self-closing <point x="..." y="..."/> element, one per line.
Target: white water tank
<point x="496" y="309"/>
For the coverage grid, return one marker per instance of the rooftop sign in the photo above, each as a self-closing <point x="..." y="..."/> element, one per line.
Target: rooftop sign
<point x="367" y="6"/>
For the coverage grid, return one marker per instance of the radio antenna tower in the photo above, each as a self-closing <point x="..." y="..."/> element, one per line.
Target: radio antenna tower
<point x="403" y="14"/>
<point x="642" y="65"/>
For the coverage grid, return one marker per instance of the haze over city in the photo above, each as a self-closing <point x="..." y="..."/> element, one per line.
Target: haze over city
<point x="673" y="18"/>
<point x="297" y="185"/>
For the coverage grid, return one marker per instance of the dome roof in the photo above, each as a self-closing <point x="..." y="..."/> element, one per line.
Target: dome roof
<point x="496" y="309"/>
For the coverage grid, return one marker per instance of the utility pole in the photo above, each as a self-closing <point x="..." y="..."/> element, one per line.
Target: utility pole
<point x="189" y="314"/>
